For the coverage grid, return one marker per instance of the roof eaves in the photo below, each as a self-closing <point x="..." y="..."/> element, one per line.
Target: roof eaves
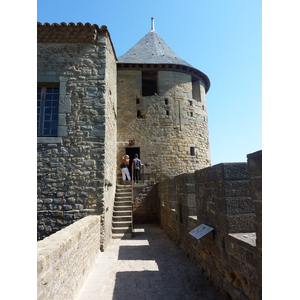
<point x="70" y="33"/>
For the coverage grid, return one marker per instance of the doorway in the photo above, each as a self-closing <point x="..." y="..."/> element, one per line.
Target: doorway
<point x="131" y="152"/>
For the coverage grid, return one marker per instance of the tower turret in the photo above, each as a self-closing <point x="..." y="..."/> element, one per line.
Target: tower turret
<point x="162" y="106"/>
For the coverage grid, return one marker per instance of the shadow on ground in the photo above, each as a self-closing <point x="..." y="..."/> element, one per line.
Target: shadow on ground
<point x="159" y="270"/>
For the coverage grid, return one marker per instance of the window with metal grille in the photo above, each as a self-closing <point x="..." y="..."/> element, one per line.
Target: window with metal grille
<point x="47" y="110"/>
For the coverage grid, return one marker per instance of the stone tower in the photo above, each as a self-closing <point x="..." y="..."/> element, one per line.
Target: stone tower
<point x="162" y="112"/>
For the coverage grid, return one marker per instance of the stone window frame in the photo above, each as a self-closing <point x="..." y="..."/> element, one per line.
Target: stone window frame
<point x="64" y="108"/>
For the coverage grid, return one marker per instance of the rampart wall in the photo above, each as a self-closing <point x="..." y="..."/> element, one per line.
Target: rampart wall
<point x="65" y="258"/>
<point x="227" y="197"/>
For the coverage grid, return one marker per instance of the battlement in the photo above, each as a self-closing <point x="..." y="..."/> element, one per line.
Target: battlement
<point x="228" y="198"/>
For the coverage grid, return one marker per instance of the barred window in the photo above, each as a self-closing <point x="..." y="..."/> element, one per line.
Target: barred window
<point x="47" y="110"/>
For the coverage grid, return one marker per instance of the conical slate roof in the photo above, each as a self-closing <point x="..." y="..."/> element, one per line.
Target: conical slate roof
<point x="152" y="49"/>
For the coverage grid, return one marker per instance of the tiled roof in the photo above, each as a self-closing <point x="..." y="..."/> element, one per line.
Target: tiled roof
<point x="67" y="33"/>
<point x="152" y="49"/>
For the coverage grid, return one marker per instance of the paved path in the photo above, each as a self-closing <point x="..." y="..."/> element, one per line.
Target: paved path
<point x="147" y="266"/>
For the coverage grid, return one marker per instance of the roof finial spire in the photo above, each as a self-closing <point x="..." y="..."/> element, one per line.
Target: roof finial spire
<point x="152" y="24"/>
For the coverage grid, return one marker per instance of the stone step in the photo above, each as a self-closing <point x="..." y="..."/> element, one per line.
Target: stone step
<point x="123" y="193"/>
<point x="119" y="197"/>
<point x="123" y="203"/>
<point x="122" y="208"/>
<point x="126" y="218"/>
<point x="121" y="213"/>
<point x="122" y="224"/>
<point x="123" y="187"/>
<point x="122" y="235"/>
<point x="121" y="230"/>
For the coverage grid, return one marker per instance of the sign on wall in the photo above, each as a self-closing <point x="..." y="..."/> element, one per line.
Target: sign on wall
<point x="201" y="231"/>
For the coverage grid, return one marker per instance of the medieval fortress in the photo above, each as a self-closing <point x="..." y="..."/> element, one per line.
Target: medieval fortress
<point x="95" y="107"/>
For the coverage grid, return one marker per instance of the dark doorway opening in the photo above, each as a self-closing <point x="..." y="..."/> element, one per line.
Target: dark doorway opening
<point x="131" y="152"/>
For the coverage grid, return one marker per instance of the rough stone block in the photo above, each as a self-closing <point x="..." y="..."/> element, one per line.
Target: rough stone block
<point x="241" y="223"/>
<point x="256" y="188"/>
<point x="255" y="163"/>
<point x="239" y="205"/>
<point x="237" y="188"/>
<point x="235" y="171"/>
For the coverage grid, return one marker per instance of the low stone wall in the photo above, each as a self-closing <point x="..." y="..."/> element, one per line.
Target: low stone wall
<point x="65" y="258"/>
<point x="226" y="197"/>
<point x="145" y="205"/>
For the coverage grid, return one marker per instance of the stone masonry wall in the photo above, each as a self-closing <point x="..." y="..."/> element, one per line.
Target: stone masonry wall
<point x="75" y="170"/>
<point x="230" y="256"/>
<point x="166" y="127"/>
<point x="110" y="163"/>
<point x="65" y="258"/>
<point x="145" y="205"/>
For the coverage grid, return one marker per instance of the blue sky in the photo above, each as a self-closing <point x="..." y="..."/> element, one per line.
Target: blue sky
<point x="223" y="39"/>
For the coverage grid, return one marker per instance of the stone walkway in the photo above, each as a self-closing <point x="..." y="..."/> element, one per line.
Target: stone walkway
<point x="147" y="266"/>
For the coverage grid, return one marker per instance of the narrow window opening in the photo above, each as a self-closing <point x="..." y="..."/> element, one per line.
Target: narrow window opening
<point x="166" y="101"/>
<point x="196" y="89"/>
<point x="137" y="101"/>
<point x="149" y="83"/>
<point x="191" y="103"/>
<point x="191" y="113"/>
<point x="192" y="151"/>
<point x="139" y="114"/>
<point x="167" y="113"/>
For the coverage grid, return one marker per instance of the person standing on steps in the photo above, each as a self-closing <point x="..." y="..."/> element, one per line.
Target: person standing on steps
<point x="124" y="166"/>
<point x="136" y="168"/>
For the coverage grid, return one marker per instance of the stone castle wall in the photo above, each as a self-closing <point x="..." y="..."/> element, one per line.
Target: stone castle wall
<point x="226" y="197"/>
<point x="75" y="170"/>
<point x="170" y="125"/>
<point x="61" y="268"/>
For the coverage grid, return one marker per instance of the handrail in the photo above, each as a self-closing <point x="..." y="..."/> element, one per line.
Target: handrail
<point x="132" y="233"/>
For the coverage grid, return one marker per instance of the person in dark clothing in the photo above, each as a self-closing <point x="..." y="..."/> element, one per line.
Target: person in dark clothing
<point x="137" y="164"/>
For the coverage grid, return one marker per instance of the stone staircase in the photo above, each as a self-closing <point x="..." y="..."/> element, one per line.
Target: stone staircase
<point x="122" y="214"/>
